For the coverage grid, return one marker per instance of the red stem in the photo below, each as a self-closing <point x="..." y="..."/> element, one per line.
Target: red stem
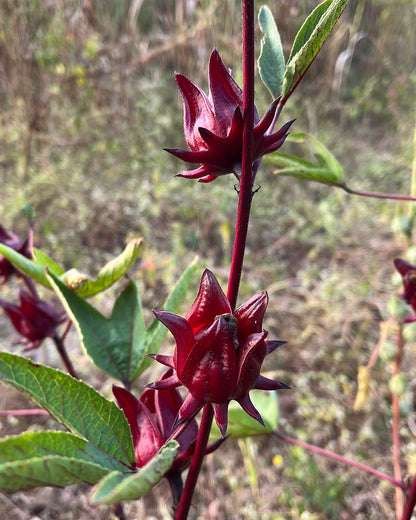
<point x="182" y="510"/>
<point x="246" y="181"/>
<point x="398" y="498"/>
<point x="243" y="215"/>
<point x="399" y="485"/>
<point x="410" y="502"/>
<point x="375" y="195"/>
<point x="30" y="411"/>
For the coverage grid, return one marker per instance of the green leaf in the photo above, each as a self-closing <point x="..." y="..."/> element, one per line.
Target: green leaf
<point x="40" y="444"/>
<point x="26" y="266"/>
<point x="308" y="42"/>
<point x="328" y="170"/>
<point x="79" y="282"/>
<point x="51" y="470"/>
<point x="157" y="332"/>
<point x="116" y="344"/>
<point x="271" y="62"/>
<point x="117" y="486"/>
<point x="110" y="273"/>
<point x="44" y="261"/>
<point x="76" y="405"/>
<point x="50" y="458"/>
<point x="240" y="424"/>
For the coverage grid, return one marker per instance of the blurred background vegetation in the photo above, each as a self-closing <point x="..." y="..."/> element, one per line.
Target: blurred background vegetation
<point x="87" y="103"/>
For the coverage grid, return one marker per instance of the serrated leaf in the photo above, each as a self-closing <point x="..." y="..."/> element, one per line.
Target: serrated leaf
<point x="50" y="458"/>
<point x="305" y="32"/>
<point x="117" y="486"/>
<point x="240" y="424"/>
<point x="40" y="444"/>
<point x="308" y="42"/>
<point x="328" y="170"/>
<point x="271" y="62"/>
<point x="116" y="344"/>
<point x="110" y="273"/>
<point x="157" y="332"/>
<point x="52" y="470"/>
<point x="74" y="404"/>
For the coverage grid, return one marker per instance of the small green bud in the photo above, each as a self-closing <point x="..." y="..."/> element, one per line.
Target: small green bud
<point x="409" y="332"/>
<point x="397" y="308"/>
<point x="411" y="255"/>
<point x="402" y="224"/>
<point x="397" y="384"/>
<point x="387" y="351"/>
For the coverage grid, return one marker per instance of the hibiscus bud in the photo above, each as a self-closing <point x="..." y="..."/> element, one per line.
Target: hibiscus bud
<point x="219" y="353"/>
<point x="213" y="125"/>
<point x="152" y="419"/>
<point x="408" y="272"/>
<point x="34" y="319"/>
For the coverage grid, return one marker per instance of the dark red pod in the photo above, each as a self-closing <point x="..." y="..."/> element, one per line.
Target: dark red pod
<point x="34" y="319"/>
<point x="152" y="419"/>
<point x="213" y="125"/>
<point x="219" y="353"/>
<point x="408" y="272"/>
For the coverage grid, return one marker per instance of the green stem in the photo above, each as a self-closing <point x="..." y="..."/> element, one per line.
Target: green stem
<point x="60" y="347"/>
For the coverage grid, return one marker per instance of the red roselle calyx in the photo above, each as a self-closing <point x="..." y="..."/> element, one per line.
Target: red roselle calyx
<point x="408" y="272"/>
<point x="152" y="419"/>
<point x="213" y="125"/>
<point x="219" y="353"/>
<point x="34" y="319"/>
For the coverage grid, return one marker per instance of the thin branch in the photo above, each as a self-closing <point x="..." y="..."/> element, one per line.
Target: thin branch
<point x="60" y="347"/>
<point x="30" y="411"/>
<point x="410" y="502"/>
<point x="340" y="458"/>
<point x="375" y="195"/>
<point x="398" y="498"/>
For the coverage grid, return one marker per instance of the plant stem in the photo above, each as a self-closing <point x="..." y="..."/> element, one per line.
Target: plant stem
<point x="410" y="502"/>
<point x="246" y="181"/>
<point x="340" y="458"/>
<point x="376" y="195"/>
<point x="64" y="355"/>
<point x="398" y="498"/>
<point x="30" y="411"/>
<point x="243" y="215"/>
<point x="119" y="511"/>
<point x="412" y="208"/>
<point x="182" y="510"/>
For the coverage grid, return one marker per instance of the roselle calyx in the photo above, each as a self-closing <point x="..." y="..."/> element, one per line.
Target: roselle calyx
<point x="152" y="419"/>
<point x="34" y="318"/>
<point x="408" y="273"/>
<point x="213" y="125"/>
<point x="219" y="353"/>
